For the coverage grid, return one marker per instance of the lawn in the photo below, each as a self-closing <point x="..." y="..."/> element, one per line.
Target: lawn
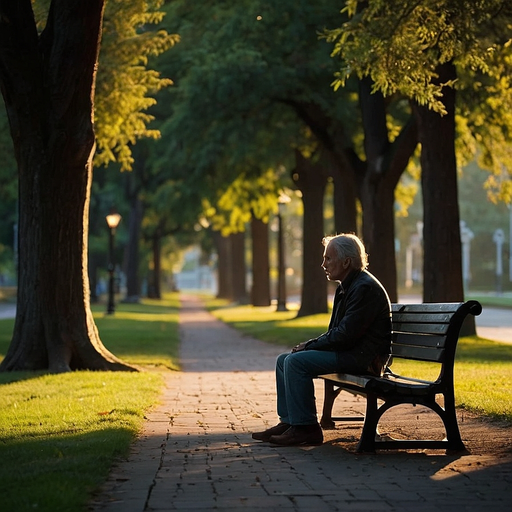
<point x="60" y="434"/>
<point x="483" y="368"/>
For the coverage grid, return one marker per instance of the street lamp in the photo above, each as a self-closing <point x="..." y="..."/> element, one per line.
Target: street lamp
<point x="510" y="244"/>
<point x="281" y="268"/>
<point x="113" y="220"/>
<point x="466" y="235"/>
<point x="498" y="238"/>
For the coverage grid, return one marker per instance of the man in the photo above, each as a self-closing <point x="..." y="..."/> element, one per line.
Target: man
<point x="358" y="337"/>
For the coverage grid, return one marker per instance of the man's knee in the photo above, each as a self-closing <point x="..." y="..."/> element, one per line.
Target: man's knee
<point x="296" y="362"/>
<point x="280" y="360"/>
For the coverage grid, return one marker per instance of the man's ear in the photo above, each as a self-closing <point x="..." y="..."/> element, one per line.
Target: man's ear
<point x="346" y="263"/>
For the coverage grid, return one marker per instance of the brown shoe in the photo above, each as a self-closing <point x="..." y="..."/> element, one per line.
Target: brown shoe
<point x="277" y="430"/>
<point x="300" y="435"/>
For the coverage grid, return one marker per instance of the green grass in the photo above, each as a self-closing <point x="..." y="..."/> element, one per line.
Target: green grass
<point x="142" y="334"/>
<point x="483" y="368"/>
<point x="60" y="434"/>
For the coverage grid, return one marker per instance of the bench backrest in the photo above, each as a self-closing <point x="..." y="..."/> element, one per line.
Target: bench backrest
<point x="429" y="332"/>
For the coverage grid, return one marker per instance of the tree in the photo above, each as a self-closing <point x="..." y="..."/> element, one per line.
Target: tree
<point x="368" y="171"/>
<point x="8" y="196"/>
<point x="47" y="81"/>
<point x="248" y="199"/>
<point x="422" y="49"/>
<point x="311" y="179"/>
<point x="241" y="86"/>
<point x="240" y="81"/>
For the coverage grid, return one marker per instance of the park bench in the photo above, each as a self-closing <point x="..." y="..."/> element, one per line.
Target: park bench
<point x="421" y="332"/>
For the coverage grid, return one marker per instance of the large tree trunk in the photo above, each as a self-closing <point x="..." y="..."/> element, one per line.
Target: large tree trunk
<point x="260" y="295"/>
<point x="132" y="258"/>
<point x="224" y="265"/>
<point x="239" y="268"/>
<point x="374" y="180"/>
<point x="345" y="196"/>
<point x="342" y="162"/>
<point x="442" y="274"/>
<point x="385" y="163"/>
<point x="47" y="83"/>
<point x="311" y="181"/>
<point x="154" y="285"/>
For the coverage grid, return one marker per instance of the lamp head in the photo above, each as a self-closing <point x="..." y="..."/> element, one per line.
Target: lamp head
<point x="113" y="220"/>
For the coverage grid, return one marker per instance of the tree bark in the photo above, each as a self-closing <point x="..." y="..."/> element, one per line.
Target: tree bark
<point x="345" y="195"/>
<point x="311" y="180"/>
<point x="132" y="258"/>
<point x="385" y="163"/>
<point x="47" y="83"/>
<point x="154" y="285"/>
<point x="239" y="268"/>
<point x="224" y="265"/>
<point x="442" y="265"/>
<point x="260" y="295"/>
<point x="342" y="162"/>
<point x="373" y="181"/>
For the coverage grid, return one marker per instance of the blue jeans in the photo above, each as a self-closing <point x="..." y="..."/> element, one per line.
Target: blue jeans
<point x="294" y="378"/>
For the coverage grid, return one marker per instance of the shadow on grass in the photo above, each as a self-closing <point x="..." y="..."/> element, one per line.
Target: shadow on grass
<point x="480" y="350"/>
<point x="58" y="473"/>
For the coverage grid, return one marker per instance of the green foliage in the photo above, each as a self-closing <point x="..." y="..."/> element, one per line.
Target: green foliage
<point x="401" y="45"/>
<point x="125" y="85"/>
<point x="238" y="71"/>
<point x="245" y="197"/>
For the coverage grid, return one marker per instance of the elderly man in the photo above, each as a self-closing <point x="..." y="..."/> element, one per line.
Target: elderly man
<point x="358" y="337"/>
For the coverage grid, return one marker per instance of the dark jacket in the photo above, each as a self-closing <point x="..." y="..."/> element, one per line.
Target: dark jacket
<point x="360" y="322"/>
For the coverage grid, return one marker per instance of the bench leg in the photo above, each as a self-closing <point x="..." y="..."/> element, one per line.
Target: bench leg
<point x="449" y="417"/>
<point x="371" y="421"/>
<point x="330" y="394"/>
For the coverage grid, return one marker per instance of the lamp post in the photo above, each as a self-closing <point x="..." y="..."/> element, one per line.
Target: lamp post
<point x="510" y="244"/>
<point x="466" y="235"/>
<point x="498" y="238"/>
<point x="281" y="267"/>
<point x="113" y="220"/>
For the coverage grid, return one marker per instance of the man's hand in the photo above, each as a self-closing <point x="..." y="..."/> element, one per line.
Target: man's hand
<point x="300" y="347"/>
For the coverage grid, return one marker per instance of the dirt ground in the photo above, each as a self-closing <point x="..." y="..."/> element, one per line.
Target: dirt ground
<point x="480" y="436"/>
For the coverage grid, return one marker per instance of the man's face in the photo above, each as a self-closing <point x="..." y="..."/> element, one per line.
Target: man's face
<point x="336" y="269"/>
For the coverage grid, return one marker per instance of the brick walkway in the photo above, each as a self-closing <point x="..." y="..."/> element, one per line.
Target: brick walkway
<point x="196" y="452"/>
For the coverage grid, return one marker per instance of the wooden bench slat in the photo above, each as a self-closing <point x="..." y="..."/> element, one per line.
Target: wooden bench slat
<point x="418" y="340"/>
<point x="424" y="318"/>
<point x="428" y="354"/>
<point x="385" y="384"/>
<point x="448" y="307"/>
<point x="420" y="328"/>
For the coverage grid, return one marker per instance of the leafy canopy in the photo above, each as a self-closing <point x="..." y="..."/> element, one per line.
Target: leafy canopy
<point x="401" y="45"/>
<point x="125" y="85"/>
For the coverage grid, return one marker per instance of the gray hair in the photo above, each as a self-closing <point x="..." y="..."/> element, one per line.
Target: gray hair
<point x="348" y="245"/>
